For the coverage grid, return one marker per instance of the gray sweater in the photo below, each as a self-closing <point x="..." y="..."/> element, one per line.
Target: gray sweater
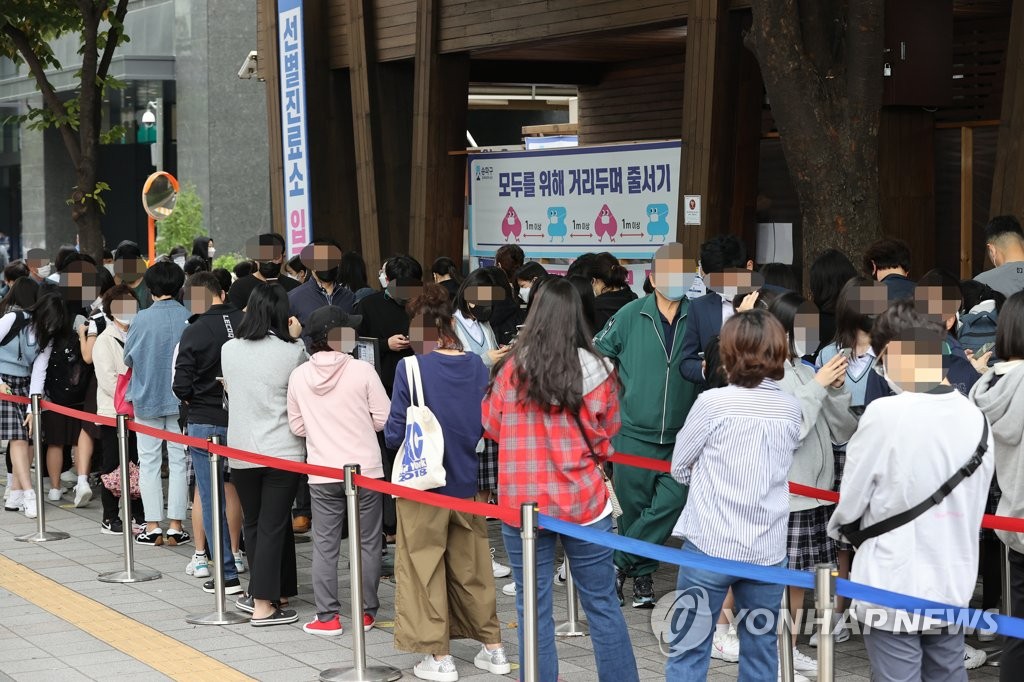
<point x="1003" y="404"/>
<point x="256" y="378"/>
<point x="827" y="419"/>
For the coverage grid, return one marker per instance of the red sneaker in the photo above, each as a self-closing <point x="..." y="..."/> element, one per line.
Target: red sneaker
<point x="368" y="622"/>
<point x="330" y="628"/>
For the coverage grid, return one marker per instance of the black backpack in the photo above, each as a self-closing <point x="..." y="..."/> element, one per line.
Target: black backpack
<point x="67" y="375"/>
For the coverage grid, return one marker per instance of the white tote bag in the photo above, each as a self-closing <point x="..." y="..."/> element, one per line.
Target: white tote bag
<point x="420" y="461"/>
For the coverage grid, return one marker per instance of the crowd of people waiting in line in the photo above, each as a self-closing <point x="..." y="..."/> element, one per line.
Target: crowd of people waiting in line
<point x="876" y="386"/>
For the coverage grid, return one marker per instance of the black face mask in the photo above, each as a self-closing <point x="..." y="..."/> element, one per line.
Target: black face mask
<point x="270" y="270"/>
<point x="482" y="313"/>
<point x="866" y="323"/>
<point x="330" y="275"/>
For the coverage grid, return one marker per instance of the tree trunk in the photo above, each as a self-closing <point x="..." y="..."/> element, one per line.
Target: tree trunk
<point x="822" y="68"/>
<point x="85" y="210"/>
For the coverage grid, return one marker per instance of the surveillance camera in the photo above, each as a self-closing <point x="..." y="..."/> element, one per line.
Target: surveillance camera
<point x="248" y="69"/>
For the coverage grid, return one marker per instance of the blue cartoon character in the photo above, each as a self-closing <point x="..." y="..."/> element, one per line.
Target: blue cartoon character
<point x="556" y="223"/>
<point x="657" y="223"/>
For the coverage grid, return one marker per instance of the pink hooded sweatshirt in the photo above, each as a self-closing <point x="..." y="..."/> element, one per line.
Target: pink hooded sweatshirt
<point x="338" y="404"/>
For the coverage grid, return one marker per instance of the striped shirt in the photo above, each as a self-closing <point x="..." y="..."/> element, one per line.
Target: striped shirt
<point x="735" y="451"/>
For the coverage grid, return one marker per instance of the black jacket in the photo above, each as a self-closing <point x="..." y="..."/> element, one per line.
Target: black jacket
<point x="609" y="303"/>
<point x="383" y="317"/>
<point x="198" y="364"/>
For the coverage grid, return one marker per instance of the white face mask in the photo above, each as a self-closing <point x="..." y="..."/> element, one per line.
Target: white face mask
<point x="211" y="252"/>
<point x="525" y="294"/>
<point x="45" y="270"/>
<point x="125" y="321"/>
<point x="109" y="267"/>
<point x="180" y="262"/>
<point x="383" y="280"/>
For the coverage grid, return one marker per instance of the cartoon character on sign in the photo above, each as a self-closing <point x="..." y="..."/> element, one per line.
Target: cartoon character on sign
<point x="556" y="223"/>
<point x="606" y="224"/>
<point x="511" y="226"/>
<point x="657" y="223"/>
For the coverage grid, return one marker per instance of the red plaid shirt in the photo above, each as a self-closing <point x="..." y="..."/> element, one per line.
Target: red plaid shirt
<point x="543" y="457"/>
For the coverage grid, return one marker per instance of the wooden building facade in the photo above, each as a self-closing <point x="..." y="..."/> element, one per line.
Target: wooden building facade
<point x="388" y="80"/>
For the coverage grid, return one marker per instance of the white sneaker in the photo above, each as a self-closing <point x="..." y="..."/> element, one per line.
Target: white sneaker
<point x="199" y="566"/>
<point x="69" y="477"/>
<point x="16" y="500"/>
<point x="804" y="663"/>
<point x="840" y="633"/>
<point x="560" y="576"/>
<point x="29" y="504"/>
<point x="973" y="658"/>
<point x="509" y="590"/>
<point x="7" y="492"/>
<point x="726" y="647"/>
<point x="55" y="494"/>
<point x="83" y="493"/>
<point x="240" y="565"/>
<point x="494" y="662"/>
<point x="438" y="671"/>
<point x="499" y="570"/>
<point x="797" y="677"/>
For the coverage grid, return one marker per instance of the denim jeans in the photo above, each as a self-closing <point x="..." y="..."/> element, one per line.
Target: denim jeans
<point x="150" y="459"/>
<point x="691" y="653"/>
<point x="201" y="466"/>
<point x="594" y="573"/>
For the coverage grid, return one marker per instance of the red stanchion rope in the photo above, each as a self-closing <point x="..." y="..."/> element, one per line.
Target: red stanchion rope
<point x="510" y="516"/>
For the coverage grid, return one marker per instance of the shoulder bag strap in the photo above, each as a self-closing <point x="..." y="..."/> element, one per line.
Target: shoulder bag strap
<point x="412" y="375"/>
<point x="856" y="535"/>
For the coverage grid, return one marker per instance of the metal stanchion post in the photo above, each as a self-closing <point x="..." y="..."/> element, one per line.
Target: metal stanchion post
<point x="528" y="532"/>
<point x="824" y="605"/>
<point x="41" y="534"/>
<point x="572" y="627"/>
<point x="129" y="574"/>
<point x="359" y="672"/>
<point x="785" y="640"/>
<point x="994" y="655"/>
<point x="216" y="544"/>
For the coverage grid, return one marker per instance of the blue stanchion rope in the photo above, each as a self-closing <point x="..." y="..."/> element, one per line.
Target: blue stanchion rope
<point x="1004" y="625"/>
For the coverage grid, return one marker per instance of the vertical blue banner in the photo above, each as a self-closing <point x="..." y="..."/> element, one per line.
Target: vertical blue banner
<point x="294" y="136"/>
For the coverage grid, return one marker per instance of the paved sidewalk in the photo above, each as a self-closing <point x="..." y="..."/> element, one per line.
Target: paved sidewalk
<point x="36" y="645"/>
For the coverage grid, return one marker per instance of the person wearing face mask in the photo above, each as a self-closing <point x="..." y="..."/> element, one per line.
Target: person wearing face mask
<point x="825" y="406"/>
<point x="178" y="256"/>
<point x="709" y="312"/>
<point x="526" y="276"/>
<point x="323" y="287"/>
<point x="385" y="318"/>
<point x="611" y="287"/>
<point x="119" y="308"/>
<point x="908" y="448"/>
<point x="296" y="269"/>
<point x="645" y="340"/>
<point x="269" y="261"/>
<point x="203" y="247"/>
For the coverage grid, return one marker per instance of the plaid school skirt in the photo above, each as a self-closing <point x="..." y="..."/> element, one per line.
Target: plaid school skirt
<point x="808" y="542"/>
<point x="12" y="415"/>
<point x="487" y="470"/>
<point x="839" y="457"/>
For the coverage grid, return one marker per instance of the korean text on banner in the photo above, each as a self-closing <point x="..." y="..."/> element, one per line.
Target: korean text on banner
<point x="294" y="140"/>
<point x="560" y="203"/>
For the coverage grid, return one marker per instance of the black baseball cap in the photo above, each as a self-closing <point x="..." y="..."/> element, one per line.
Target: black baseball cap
<point x="329" y="317"/>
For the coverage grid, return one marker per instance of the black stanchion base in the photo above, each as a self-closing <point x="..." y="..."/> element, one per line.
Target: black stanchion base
<point x="371" y="674"/>
<point x="135" y="576"/>
<point x="226" y="618"/>
<point x="45" y="536"/>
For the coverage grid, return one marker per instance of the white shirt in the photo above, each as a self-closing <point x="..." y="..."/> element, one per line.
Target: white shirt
<point x="735" y="451"/>
<point x="473" y="327"/>
<point x="727" y="309"/>
<point x="905" y="447"/>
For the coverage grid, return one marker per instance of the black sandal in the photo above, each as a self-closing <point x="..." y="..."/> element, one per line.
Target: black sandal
<point x="278" y="617"/>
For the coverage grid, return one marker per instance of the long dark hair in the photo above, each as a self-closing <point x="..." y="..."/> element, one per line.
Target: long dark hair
<point x="1010" y="329"/>
<point x="784" y="309"/>
<point x="587" y="299"/>
<point x="24" y="292"/>
<point x="546" y="356"/>
<point x="829" y="273"/>
<point x="446" y="266"/>
<point x="266" y="313"/>
<point x="849" y="315"/>
<point x="352" y="272"/>
<point x="201" y="248"/>
<point x="481" y="277"/>
<point x="49" y="318"/>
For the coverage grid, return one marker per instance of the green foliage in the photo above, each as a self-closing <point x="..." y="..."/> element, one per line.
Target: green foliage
<point x="228" y="261"/>
<point x="95" y="195"/>
<point x="184" y="224"/>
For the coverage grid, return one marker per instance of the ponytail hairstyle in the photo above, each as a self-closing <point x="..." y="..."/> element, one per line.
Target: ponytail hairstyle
<point x="609" y="270"/>
<point x="434" y="308"/>
<point x="446" y="266"/>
